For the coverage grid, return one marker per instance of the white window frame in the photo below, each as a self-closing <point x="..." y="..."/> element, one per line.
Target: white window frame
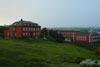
<point x="29" y="29"/>
<point x="23" y="28"/>
<point x="26" y="28"/>
<point x="23" y="34"/>
<point x="83" y="37"/>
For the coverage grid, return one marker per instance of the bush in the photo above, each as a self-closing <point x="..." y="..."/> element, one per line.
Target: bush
<point x="25" y="37"/>
<point x="97" y="51"/>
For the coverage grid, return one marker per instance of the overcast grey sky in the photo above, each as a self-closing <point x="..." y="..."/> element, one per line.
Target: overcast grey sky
<point x="52" y="13"/>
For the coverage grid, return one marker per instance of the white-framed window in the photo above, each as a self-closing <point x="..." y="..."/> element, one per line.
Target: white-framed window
<point x="23" y="28"/>
<point x="79" y="37"/>
<point x="29" y="34"/>
<point x="37" y="29"/>
<point x="29" y="29"/>
<point x="26" y="28"/>
<point x="23" y="34"/>
<point x="83" y="37"/>
<point x="34" y="29"/>
<point x="33" y="34"/>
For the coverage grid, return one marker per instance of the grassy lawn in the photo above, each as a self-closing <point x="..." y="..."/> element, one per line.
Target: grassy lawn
<point x="40" y="53"/>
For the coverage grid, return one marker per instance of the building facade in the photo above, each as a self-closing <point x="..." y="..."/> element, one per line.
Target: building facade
<point x="23" y="28"/>
<point x="80" y="36"/>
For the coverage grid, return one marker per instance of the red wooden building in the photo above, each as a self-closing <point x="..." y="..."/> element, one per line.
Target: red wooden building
<point x="76" y="36"/>
<point x="81" y="37"/>
<point x="23" y="28"/>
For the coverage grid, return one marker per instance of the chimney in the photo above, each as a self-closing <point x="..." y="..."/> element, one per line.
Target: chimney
<point x="21" y="20"/>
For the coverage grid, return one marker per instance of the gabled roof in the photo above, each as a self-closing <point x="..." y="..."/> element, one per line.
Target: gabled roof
<point x="20" y="23"/>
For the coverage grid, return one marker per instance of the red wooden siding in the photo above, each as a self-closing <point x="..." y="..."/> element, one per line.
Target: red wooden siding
<point x="30" y="30"/>
<point x="81" y="38"/>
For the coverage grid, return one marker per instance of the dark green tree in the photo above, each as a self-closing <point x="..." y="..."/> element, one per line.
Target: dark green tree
<point x="44" y="31"/>
<point x="57" y="36"/>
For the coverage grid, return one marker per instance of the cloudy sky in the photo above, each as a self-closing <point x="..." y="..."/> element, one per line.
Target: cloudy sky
<point x="52" y="13"/>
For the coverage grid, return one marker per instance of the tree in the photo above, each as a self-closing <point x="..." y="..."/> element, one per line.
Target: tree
<point x="44" y="31"/>
<point x="57" y="36"/>
<point x="2" y="29"/>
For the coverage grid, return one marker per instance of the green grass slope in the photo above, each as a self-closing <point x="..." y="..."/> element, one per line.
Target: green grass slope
<point x="39" y="53"/>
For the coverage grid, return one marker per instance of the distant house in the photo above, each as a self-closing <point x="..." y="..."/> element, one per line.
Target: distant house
<point x="23" y="28"/>
<point x="94" y="37"/>
<point x="80" y="35"/>
<point x="68" y="34"/>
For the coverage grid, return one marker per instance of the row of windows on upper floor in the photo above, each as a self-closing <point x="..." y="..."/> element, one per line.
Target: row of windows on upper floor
<point x="31" y="24"/>
<point x="67" y="33"/>
<point x="25" y="34"/>
<point x="34" y="34"/>
<point x="81" y="38"/>
<point x="31" y="29"/>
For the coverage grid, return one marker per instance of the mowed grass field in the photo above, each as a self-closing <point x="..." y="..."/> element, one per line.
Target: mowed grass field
<point x="40" y="53"/>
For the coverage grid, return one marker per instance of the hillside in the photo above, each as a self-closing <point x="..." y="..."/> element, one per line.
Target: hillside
<point x="40" y="53"/>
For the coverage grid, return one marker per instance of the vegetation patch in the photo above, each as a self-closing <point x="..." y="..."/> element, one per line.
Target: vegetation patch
<point x="40" y="53"/>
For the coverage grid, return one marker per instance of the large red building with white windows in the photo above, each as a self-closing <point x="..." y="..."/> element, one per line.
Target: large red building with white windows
<point x="23" y="28"/>
<point x="80" y="36"/>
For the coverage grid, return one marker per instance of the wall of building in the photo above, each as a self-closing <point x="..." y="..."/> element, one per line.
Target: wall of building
<point x="67" y="34"/>
<point x="20" y="31"/>
<point x="31" y="31"/>
<point x="81" y="38"/>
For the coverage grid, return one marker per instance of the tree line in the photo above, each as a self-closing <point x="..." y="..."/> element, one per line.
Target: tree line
<point x="58" y="37"/>
<point x="2" y="29"/>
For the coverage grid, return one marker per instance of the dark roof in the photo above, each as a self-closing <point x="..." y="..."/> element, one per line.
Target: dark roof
<point x="75" y="31"/>
<point x="67" y="31"/>
<point x="19" y="23"/>
<point x="81" y="33"/>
